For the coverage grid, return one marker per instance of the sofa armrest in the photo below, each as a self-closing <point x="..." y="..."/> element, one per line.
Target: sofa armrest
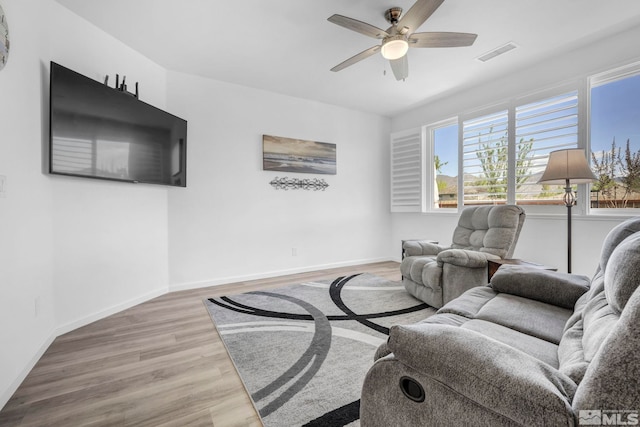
<point x="465" y="258"/>
<point x="551" y="287"/>
<point x="422" y="247"/>
<point x="484" y="371"/>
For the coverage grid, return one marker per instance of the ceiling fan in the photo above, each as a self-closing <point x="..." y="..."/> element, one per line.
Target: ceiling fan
<point x="401" y="35"/>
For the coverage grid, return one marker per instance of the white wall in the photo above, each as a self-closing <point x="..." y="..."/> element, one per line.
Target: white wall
<point x="110" y="239"/>
<point x="75" y="250"/>
<point x="543" y="238"/>
<point x="25" y="213"/>
<point x="78" y="249"/>
<point x="229" y="224"/>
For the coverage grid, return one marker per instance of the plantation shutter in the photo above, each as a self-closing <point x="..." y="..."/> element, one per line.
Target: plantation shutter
<point x="485" y="160"/>
<point x="407" y="172"/>
<point x="542" y="127"/>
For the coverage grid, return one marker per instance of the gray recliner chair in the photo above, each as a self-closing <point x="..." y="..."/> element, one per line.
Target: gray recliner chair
<point x="436" y="274"/>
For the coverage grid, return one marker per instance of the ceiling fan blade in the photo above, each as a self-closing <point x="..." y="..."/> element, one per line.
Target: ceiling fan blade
<point x="358" y="26"/>
<point x="356" y="58"/>
<point x="419" y="12"/>
<point x="400" y="67"/>
<point x="442" y="39"/>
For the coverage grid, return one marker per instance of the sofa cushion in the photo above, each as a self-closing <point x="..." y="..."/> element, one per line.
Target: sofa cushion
<point x="411" y="267"/>
<point x="432" y="275"/>
<point x="469" y="304"/>
<point x="540" y="349"/>
<point x="472" y="226"/>
<point x="622" y="275"/>
<point x="559" y="289"/>
<point x="598" y="311"/>
<point x="446" y="319"/>
<point x="619" y="233"/>
<point x="490" y="229"/>
<point x="530" y="326"/>
<point x="431" y="296"/>
<point x="598" y="319"/>
<point x="535" y="318"/>
<point x="611" y="380"/>
<point x="421" y="247"/>
<point x="464" y="258"/>
<point x="571" y="353"/>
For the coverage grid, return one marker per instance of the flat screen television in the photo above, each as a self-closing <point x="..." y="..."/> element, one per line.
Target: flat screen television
<point x="100" y="132"/>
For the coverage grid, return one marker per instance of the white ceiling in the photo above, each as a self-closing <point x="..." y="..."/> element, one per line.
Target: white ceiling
<point x="288" y="46"/>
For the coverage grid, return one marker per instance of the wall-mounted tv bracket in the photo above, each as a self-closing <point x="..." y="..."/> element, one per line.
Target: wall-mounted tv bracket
<point x="122" y="87"/>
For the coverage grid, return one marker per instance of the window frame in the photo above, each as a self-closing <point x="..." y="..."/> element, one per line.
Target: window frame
<point x="601" y="79"/>
<point x="510" y="106"/>
<point x="582" y="85"/>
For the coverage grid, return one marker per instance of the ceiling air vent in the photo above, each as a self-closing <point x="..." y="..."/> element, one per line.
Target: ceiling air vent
<point x="497" y="51"/>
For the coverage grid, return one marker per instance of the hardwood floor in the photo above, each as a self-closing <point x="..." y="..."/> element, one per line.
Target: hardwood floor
<point x="160" y="363"/>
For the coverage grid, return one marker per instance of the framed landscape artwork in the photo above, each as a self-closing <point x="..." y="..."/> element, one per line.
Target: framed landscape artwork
<point x="297" y="155"/>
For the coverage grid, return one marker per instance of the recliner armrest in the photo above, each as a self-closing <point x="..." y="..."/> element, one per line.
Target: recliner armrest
<point x="551" y="287"/>
<point x="465" y="258"/>
<point x="485" y="371"/>
<point x="422" y="247"/>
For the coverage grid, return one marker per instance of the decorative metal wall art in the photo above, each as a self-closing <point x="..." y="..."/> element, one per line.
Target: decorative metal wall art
<point x="297" y="155"/>
<point x="286" y="183"/>
<point x="4" y="39"/>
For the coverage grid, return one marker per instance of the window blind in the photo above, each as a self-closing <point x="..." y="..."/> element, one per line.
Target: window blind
<point x="407" y="172"/>
<point x="542" y="127"/>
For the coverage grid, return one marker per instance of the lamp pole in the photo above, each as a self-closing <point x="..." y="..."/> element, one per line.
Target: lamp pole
<point x="569" y="201"/>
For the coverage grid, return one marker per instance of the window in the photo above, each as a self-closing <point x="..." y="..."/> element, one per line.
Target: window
<point x="501" y="153"/>
<point x="615" y="139"/>
<point x="444" y="139"/>
<point x="503" y="157"/>
<point x="542" y="127"/>
<point x="415" y="186"/>
<point x="485" y="159"/>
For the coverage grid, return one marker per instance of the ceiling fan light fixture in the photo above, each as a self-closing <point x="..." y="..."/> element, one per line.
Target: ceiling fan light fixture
<point x="395" y="47"/>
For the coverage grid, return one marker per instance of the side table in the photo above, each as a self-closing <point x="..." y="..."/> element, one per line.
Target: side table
<point x="494" y="265"/>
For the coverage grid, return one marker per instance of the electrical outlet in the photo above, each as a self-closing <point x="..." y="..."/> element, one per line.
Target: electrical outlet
<point x="36" y="306"/>
<point x="294" y="251"/>
<point x="3" y="186"/>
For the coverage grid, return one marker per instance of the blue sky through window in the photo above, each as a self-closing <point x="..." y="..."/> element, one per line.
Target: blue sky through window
<point x="446" y="147"/>
<point x="615" y="113"/>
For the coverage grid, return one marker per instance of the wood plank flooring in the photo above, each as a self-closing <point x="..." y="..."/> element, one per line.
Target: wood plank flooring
<point x="160" y="363"/>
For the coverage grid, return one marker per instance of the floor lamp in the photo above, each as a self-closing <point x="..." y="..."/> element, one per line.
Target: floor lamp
<point x="567" y="167"/>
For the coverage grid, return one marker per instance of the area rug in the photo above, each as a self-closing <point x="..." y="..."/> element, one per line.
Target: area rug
<point x="302" y="351"/>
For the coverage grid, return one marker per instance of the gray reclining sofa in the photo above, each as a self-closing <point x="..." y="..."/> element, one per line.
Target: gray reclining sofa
<point x="535" y="347"/>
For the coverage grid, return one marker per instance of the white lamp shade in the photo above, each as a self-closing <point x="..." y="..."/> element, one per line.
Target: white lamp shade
<point x="568" y="164"/>
<point x="394" y="47"/>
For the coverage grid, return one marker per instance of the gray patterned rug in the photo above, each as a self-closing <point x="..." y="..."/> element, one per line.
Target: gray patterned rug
<point x="302" y="351"/>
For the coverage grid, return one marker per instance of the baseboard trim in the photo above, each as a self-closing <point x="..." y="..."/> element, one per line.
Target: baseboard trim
<point x="275" y="273"/>
<point x="6" y="394"/>
<point x="68" y="327"/>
